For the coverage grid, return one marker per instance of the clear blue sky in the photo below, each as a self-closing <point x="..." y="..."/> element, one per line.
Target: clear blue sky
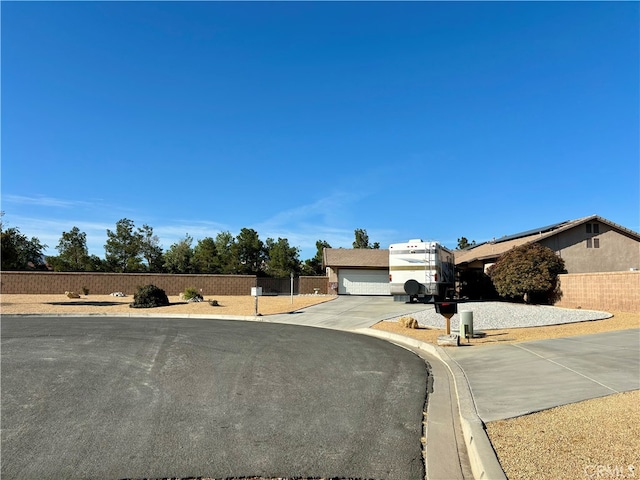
<point x="309" y="120"/>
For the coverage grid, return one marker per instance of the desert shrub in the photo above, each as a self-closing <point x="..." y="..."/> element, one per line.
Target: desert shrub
<point x="408" y="322"/>
<point x="191" y="293"/>
<point x="85" y="291"/>
<point x="149" y="296"/>
<point x="214" y="303"/>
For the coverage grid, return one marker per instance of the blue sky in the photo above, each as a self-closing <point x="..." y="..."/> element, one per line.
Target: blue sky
<point x="307" y="120"/>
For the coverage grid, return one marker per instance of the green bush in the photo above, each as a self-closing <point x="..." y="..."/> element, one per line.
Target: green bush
<point x="85" y="291"/>
<point x="149" y="296"/>
<point x="528" y="272"/>
<point x="191" y="292"/>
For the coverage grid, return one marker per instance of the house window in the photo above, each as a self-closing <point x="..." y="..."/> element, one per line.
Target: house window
<point x="596" y="243"/>
<point x="589" y="243"/>
<point x="593" y="228"/>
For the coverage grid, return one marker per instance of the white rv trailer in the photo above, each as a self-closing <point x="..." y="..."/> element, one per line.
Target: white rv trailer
<point x="420" y="271"/>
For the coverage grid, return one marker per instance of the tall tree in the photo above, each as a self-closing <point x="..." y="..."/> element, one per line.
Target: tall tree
<point x="463" y="243"/>
<point x="313" y="266"/>
<point x="19" y="252"/>
<point x="250" y="252"/>
<point x="205" y="256"/>
<point x="225" y="249"/>
<point x="73" y="254"/>
<point x="178" y="258"/>
<point x="282" y="258"/>
<point x="362" y="240"/>
<point x="150" y="249"/>
<point x="123" y="250"/>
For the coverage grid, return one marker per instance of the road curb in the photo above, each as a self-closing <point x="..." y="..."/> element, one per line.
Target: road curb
<point x="482" y="456"/>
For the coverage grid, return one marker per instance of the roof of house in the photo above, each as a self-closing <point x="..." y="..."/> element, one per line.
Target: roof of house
<point x="355" y="257"/>
<point x="495" y="248"/>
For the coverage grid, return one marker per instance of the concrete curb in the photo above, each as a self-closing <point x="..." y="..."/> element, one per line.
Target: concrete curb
<point x="482" y="456"/>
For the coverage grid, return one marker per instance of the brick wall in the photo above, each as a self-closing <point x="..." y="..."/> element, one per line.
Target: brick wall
<point x="614" y="291"/>
<point x="106" y="283"/>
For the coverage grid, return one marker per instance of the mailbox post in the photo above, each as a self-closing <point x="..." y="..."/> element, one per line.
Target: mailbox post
<point x="447" y="310"/>
<point x="256" y="292"/>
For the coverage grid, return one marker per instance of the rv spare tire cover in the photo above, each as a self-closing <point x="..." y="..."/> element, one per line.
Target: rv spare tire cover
<point x="412" y="287"/>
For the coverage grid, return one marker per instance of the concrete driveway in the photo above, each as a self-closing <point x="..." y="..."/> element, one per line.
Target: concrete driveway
<point x="115" y="398"/>
<point x="512" y="380"/>
<point x="349" y="312"/>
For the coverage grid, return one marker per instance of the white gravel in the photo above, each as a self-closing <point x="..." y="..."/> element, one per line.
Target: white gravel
<point x="494" y="315"/>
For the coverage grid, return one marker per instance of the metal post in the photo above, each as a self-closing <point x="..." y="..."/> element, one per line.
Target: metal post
<point x="291" y="288"/>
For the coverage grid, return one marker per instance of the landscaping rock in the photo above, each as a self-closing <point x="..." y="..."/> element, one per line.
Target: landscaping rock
<point x="449" y="340"/>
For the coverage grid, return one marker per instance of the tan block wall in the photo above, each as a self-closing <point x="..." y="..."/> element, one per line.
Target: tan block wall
<point x="106" y="283"/>
<point x="307" y="285"/>
<point x="611" y="292"/>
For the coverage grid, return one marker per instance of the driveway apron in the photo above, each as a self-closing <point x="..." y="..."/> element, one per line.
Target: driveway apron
<point x="512" y="380"/>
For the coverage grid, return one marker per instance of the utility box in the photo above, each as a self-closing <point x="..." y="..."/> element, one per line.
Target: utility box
<point x="466" y="323"/>
<point x="256" y="291"/>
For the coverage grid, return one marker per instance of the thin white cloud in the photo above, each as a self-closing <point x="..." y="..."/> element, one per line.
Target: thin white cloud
<point x="305" y="224"/>
<point x="323" y="208"/>
<point x="44" y="201"/>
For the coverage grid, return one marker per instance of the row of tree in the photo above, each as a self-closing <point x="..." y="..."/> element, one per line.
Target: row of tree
<point x="527" y="272"/>
<point x="137" y="249"/>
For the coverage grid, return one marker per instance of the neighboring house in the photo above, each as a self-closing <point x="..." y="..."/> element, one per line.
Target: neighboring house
<point x="587" y="245"/>
<point x="357" y="271"/>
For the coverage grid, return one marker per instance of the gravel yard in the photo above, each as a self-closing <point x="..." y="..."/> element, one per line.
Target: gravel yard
<point x="492" y="315"/>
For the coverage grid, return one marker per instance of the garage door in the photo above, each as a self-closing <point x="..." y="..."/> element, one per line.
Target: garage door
<point x="363" y="282"/>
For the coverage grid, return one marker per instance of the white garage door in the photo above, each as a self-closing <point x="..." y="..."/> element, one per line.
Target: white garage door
<point x="363" y="282"/>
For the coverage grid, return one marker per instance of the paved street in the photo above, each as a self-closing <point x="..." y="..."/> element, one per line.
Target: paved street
<point x="131" y="398"/>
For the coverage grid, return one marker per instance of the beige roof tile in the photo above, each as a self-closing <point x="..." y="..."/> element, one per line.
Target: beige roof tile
<point x="356" y="257"/>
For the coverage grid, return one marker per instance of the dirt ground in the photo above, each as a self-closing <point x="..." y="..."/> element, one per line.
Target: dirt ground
<point x="107" y="305"/>
<point x="598" y="438"/>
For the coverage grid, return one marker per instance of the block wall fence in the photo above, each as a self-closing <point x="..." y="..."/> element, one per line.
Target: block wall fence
<point x="611" y="292"/>
<point x="105" y="283"/>
<point x="614" y="291"/>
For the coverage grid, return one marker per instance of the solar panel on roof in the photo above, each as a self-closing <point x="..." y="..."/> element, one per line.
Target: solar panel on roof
<point x="532" y="232"/>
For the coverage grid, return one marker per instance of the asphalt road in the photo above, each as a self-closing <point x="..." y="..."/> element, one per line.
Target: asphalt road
<point x="115" y="398"/>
